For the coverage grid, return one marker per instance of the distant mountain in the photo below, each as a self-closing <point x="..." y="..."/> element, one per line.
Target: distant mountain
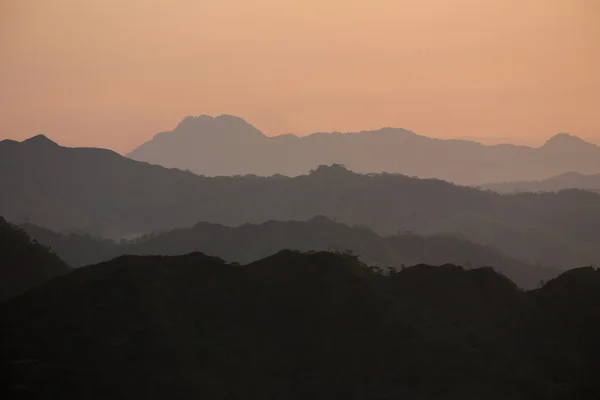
<point x="85" y="188"/>
<point x="299" y="326"/>
<point x="568" y="180"/>
<point x="228" y="145"/>
<point x="24" y="263"/>
<point x="249" y="243"/>
<point x="97" y="190"/>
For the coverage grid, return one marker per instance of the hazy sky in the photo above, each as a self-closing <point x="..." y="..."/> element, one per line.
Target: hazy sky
<point x="112" y="73"/>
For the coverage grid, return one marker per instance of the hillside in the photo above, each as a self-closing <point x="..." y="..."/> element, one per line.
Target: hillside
<point x="251" y="242"/>
<point x="96" y="190"/>
<point x="568" y="180"/>
<point x="24" y="263"/>
<point x="294" y="326"/>
<point x="227" y="145"/>
<point x="75" y="188"/>
<point x="65" y="188"/>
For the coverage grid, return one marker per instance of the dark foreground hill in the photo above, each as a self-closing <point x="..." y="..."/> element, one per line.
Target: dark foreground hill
<point x="93" y="189"/>
<point x="299" y="326"/>
<point x="227" y="145"/>
<point x="251" y="242"/>
<point x="24" y="263"/>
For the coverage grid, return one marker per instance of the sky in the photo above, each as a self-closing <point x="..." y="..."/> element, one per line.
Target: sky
<point x="112" y="73"/>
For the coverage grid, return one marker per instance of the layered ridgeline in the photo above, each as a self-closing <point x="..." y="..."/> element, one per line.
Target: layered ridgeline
<point x="568" y="180"/>
<point x="300" y="326"/>
<point x="228" y="145"/>
<point x="24" y="263"/>
<point x="99" y="191"/>
<point x="251" y="242"/>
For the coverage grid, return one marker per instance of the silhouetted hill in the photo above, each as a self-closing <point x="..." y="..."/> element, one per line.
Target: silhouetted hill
<point x="568" y="180"/>
<point x="563" y="142"/>
<point x="66" y="188"/>
<point x="251" y="242"/>
<point x="75" y="248"/>
<point x="98" y="190"/>
<point x="291" y="326"/>
<point x="24" y="263"/>
<point x="227" y="145"/>
<point x="537" y="229"/>
<point x="574" y="300"/>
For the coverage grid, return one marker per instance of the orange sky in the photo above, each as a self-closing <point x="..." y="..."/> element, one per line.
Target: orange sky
<point x="111" y="73"/>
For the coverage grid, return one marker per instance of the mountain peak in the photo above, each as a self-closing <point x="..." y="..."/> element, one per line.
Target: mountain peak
<point x="396" y="131"/>
<point x="331" y="170"/>
<point x="192" y="121"/>
<point x="8" y="142"/>
<point x="221" y="125"/>
<point x="39" y="140"/>
<point x="566" y="141"/>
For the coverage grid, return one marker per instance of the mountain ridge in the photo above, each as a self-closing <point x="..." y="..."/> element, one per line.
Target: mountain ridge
<point x="317" y="234"/>
<point x="565" y="181"/>
<point x="152" y="326"/>
<point x="228" y="145"/>
<point x="97" y="190"/>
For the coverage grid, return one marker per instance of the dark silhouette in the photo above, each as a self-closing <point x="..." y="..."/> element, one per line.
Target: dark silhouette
<point x="24" y="263"/>
<point x="228" y="145"/>
<point x="299" y="326"/>
<point x="249" y="243"/>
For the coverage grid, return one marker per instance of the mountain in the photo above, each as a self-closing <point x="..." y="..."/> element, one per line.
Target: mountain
<point x="24" y="263"/>
<point x="228" y="145"/>
<point x="296" y="326"/>
<point x="83" y="188"/>
<point x="568" y="180"/>
<point x="573" y="300"/>
<point x="319" y="233"/>
<point x="100" y="191"/>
